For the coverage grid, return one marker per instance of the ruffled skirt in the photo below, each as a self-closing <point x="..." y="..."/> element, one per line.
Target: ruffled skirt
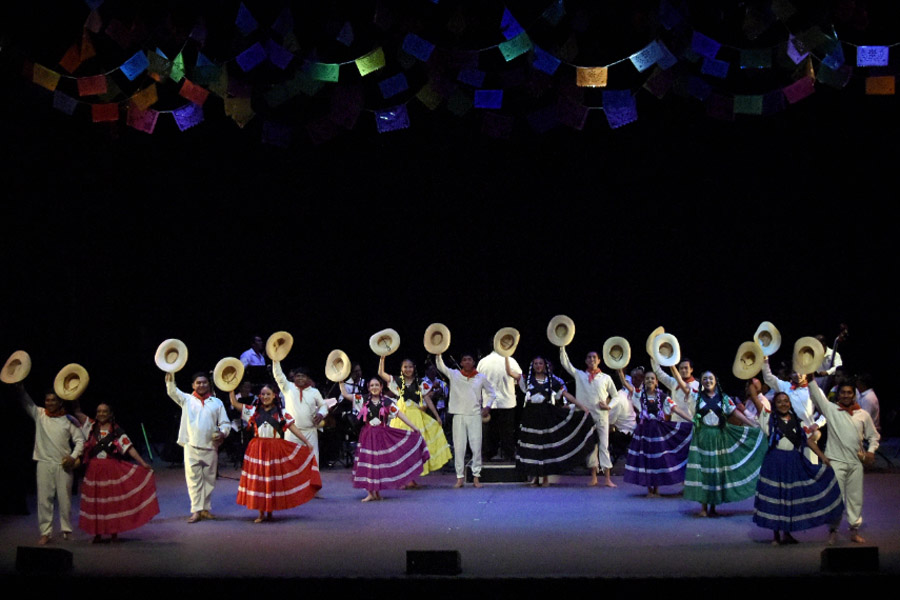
<point x="553" y="439"/>
<point x="658" y="453"/>
<point x="277" y="475"/>
<point x="388" y="458"/>
<point x="438" y="448"/>
<point x="116" y="496"/>
<point x="793" y="494"/>
<point x="723" y="464"/>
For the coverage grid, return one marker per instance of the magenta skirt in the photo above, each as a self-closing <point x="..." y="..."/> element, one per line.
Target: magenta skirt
<point x="388" y="458"/>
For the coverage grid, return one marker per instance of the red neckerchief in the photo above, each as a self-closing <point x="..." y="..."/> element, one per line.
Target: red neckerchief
<point x="469" y="374"/>
<point x="850" y="409"/>
<point x="802" y="385"/>
<point x="61" y="412"/>
<point x="690" y="380"/>
<point x="202" y="398"/>
<point x="592" y="374"/>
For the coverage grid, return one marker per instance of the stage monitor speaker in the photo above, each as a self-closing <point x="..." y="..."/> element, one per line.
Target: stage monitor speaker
<point x="433" y="562"/>
<point x="43" y="561"/>
<point x="850" y="559"/>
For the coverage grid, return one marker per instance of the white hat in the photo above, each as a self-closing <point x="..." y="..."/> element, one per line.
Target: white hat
<point x="505" y="341"/>
<point x="17" y="367"/>
<point x="658" y="331"/>
<point x="385" y="342"/>
<point x="666" y="350"/>
<point x="616" y="353"/>
<point x="561" y="330"/>
<point x="228" y="373"/>
<point x="70" y="382"/>
<point x="748" y="361"/>
<point x="808" y="355"/>
<point x="171" y="356"/>
<point x="337" y="366"/>
<point x="279" y="345"/>
<point x="437" y="338"/>
<point x="768" y="338"/>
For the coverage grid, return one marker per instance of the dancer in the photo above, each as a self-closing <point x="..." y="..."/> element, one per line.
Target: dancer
<point x="797" y="390"/>
<point x="792" y="494"/>
<point x="724" y="460"/>
<point x="413" y="395"/>
<point x="552" y="439"/>
<point x="277" y="474"/>
<point x="303" y="401"/>
<point x="681" y="396"/>
<point x="659" y="449"/>
<point x="204" y="426"/>
<point x="116" y="495"/>
<point x="386" y="458"/>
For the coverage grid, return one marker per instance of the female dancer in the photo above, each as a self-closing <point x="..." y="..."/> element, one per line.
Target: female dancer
<point x="552" y="439"/>
<point x="659" y="449"/>
<point x="724" y="460"/>
<point x="386" y="458"/>
<point x="277" y="474"/>
<point x="413" y="395"/>
<point x="116" y="495"/>
<point x="792" y="493"/>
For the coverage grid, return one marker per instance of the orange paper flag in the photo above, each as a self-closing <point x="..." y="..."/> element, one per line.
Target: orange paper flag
<point x="591" y="76"/>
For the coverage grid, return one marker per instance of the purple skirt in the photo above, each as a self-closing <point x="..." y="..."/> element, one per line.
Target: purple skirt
<point x="658" y="453"/>
<point x="388" y="458"/>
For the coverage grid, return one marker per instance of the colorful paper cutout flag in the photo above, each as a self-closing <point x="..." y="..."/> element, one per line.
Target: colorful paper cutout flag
<point x="872" y="56"/>
<point x="620" y="107"/>
<point x="93" y="23"/>
<point x="796" y="51"/>
<point x="509" y="27"/>
<point x="783" y="9"/>
<point x="488" y="98"/>
<point x="250" y="58"/>
<point x="569" y="49"/>
<point x="193" y="92"/>
<point x="44" y="77"/>
<point x="473" y="77"/>
<point x="880" y="86"/>
<point x="303" y="82"/>
<point x="834" y="57"/>
<point x="544" y="61"/>
<point x="669" y="16"/>
<point x="64" y="103"/>
<point x="428" y="96"/>
<point x="667" y="59"/>
<point x="836" y="78"/>
<point x="756" y="58"/>
<point x="698" y="88"/>
<point x="198" y="33"/>
<point x="554" y="13"/>
<point x="715" y="67"/>
<point x="392" y="119"/>
<point x="345" y="35"/>
<point x="104" y="113"/>
<point x="135" y="65"/>
<point x="245" y="21"/>
<point x="659" y="82"/>
<point x="646" y="57"/>
<point x="240" y="110"/>
<point x="756" y="22"/>
<point x="187" y="116"/>
<point x="515" y="47"/>
<point x="142" y="120"/>
<point x="176" y="74"/>
<point x="371" y="62"/>
<point x="92" y="86"/>
<point x="323" y="71"/>
<point x="800" y="89"/>
<point x="773" y="102"/>
<point x="284" y="24"/>
<point x="704" y="46"/>
<point x="145" y="98"/>
<point x="459" y="103"/>
<point x="118" y="33"/>
<point x="418" y="47"/>
<point x="748" y="105"/>
<point x="278" y="54"/>
<point x="277" y="95"/>
<point x="591" y="76"/>
<point x="159" y="66"/>
<point x="87" y="46"/>
<point x="393" y="85"/>
<point x="71" y="59"/>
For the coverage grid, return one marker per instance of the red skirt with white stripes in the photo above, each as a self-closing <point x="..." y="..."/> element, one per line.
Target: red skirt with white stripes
<point x="116" y="496"/>
<point x="277" y="474"/>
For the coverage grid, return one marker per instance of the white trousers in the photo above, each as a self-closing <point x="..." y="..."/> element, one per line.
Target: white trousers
<point x="200" y="466"/>
<point x="467" y="429"/>
<point x="850" y="479"/>
<point x="312" y="435"/>
<point x="599" y="456"/>
<point x="53" y="484"/>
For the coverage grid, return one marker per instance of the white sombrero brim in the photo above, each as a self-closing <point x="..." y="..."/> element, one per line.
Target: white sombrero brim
<point x="171" y="356"/>
<point x="71" y="382"/>
<point x="228" y="374"/>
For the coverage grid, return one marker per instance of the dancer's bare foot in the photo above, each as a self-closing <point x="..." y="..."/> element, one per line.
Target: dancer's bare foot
<point x="370" y="497"/>
<point x="608" y="483"/>
<point x="856" y="538"/>
<point x="593" y="482"/>
<point x="206" y="515"/>
<point x="195" y="518"/>
<point x="476" y="481"/>
<point x="832" y="538"/>
<point x="460" y="482"/>
<point x="45" y="539"/>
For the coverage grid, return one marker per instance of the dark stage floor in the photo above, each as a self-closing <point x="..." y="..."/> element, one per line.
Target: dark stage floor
<point x="529" y="539"/>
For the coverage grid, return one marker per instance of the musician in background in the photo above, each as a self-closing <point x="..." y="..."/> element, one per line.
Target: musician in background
<point x="831" y="361"/>
<point x="254" y="357"/>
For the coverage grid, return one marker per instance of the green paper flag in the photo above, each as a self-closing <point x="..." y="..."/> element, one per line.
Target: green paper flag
<point x="324" y="71"/>
<point x="370" y="62"/>
<point x="177" y="72"/>
<point x="748" y="105"/>
<point x="517" y="46"/>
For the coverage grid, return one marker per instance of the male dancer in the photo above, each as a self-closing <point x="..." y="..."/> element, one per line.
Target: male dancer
<point x="303" y="402"/>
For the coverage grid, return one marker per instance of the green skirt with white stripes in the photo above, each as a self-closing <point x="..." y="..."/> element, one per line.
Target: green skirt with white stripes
<point x="723" y="464"/>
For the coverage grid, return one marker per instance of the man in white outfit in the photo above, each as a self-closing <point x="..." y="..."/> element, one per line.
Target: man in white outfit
<point x="798" y="391"/>
<point x="303" y="402"/>
<point x="502" y="427"/>
<point x="204" y="426"/>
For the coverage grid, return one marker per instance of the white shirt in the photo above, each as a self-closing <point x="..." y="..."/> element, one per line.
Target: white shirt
<point x="466" y="393"/>
<point x="493" y="366"/>
<point x="590" y="391"/>
<point x="252" y="358"/>
<point x="681" y="399"/>
<point x="302" y="407"/>
<point x="53" y="436"/>
<point x="200" y="419"/>
<point x="868" y="401"/>
<point x="845" y="432"/>
<point x="800" y="400"/>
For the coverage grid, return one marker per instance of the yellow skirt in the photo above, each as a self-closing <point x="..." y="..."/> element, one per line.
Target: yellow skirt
<point x="434" y="435"/>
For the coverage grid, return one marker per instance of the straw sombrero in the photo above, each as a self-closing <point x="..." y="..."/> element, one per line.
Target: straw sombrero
<point x="437" y="338"/>
<point x="616" y="353"/>
<point x="385" y="342"/>
<point x="17" y="367"/>
<point x="228" y="373"/>
<point x="505" y="341"/>
<point x="666" y="350"/>
<point x="658" y="331"/>
<point x="748" y="361"/>
<point x="337" y="366"/>
<point x="808" y="355"/>
<point x="279" y="345"/>
<point x="70" y="382"/>
<point x="171" y="356"/>
<point x="768" y="338"/>
<point x="561" y="330"/>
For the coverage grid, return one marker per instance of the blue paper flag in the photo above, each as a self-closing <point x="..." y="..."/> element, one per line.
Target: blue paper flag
<point x="544" y="61"/>
<point x="698" y="88"/>
<point x="251" y="57"/>
<point x="488" y="98"/>
<point x="64" y="103"/>
<point x="834" y="59"/>
<point x="554" y="13"/>
<point x="278" y="54"/>
<point x="93" y="4"/>
<point x="135" y="65"/>
<point x="188" y="115"/>
<point x="393" y="85"/>
<point x="472" y="77"/>
<point x="416" y="46"/>
<point x="161" y="53"/>
<point x="669" y="15"/>
<point x="509" y="27"/>
<point x="872" y="56"/>
<point x="392" y="119"/>
<point x="245" y="21"/>
<point x="202" y="61"/>
<point x="666" y="59"/>
<point x="715" y="67"/>
<point x="345" y="35"/>
<point x="704" y="46"/>
<point x="284" y="23"/>
<point x="620" y="107"/>
<point x="646" y="57"/>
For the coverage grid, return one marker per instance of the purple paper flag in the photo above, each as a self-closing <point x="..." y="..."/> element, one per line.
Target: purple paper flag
<point x="715" y="67"/>
<point x="667" y="59"/>
<point x="345" y="35"/>
<point x="544" y="61"/>
<point x="284" y="23"/>
<point x="872" y="56"/>
<point x="278" y="54"/>
<point x="472" y="77"/>
<point x="187" y="116"/>
<point x="509" y="27"/>
<point x="669" y="15"/>
<point x="392" y="119"/>
<point x="251" y="57"/>
<point x="418" y="47"/>
<point x="64" y="103"/>
<point x="142" y="120"/>
<point x="620" y="107"/>
<point x="245" y="21"/>
<point x="704" y="46"/>
<point x="135" y="65"/>
<point x="488" y="98"/>
<point x="698" y="88"/>
<point x="795" y="50"/>
<point x="393" y="85"/>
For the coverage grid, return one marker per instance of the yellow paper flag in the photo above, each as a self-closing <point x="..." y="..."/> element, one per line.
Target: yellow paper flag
<point x="370" y="62"/>
<point x="591" y="76"/>
<point x="44" y="77"/>
<point x="240" y="110"/>
<point x="145" y="98"/>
